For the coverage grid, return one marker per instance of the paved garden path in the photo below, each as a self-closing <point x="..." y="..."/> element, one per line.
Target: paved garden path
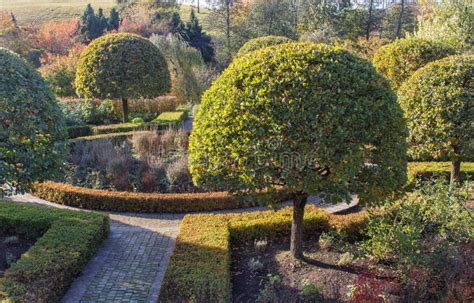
<point x="131" y="263"/>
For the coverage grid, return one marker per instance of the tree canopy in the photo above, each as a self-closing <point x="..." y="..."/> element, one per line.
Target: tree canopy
<point x="32" y="133"/>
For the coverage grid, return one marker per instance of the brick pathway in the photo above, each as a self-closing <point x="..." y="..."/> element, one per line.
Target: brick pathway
<point x="131" y="263"/>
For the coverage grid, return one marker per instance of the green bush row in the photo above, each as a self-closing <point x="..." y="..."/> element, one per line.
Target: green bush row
<point x="422" y="171"/>
<point x="162" y="122"/>
<point x="66" y="240"/>
<point x="199" y="269"/>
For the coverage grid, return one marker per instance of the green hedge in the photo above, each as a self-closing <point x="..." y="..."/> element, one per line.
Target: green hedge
<point x="148" y="202"/>
<point x="421" y="171"/>
<point x="199" y="269"/>
<point x="66" y="240"/>
<point x="173" y="118"/>
<point x="76" y="131"/>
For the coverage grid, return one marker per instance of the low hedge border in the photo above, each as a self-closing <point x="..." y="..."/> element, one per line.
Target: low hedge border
<point x="199" y="269"/>
<point x="422" y="171"/>
<point x="161" y="123"/>
<point x="66" y="240"/>
<point x="148" y="202"/>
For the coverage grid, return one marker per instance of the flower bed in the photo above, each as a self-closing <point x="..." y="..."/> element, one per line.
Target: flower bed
<point x="65" y="241"/>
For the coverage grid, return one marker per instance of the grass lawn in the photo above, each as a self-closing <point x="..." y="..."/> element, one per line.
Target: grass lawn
<point x="44" y="10"/>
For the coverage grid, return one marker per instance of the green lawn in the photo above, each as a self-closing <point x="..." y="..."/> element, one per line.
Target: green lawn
<point x="44" y="10"/>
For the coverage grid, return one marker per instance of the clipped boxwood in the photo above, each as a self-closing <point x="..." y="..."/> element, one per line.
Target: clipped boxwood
<point x="401" y="58"/>
<point x="199" y="269"/>
<point x="76" y="131"/>
<point x="262" y="42"/>
<point x="173" y="118"/>
<point x="122" y="66"/>
<point x="66" y="240"/>
<point x="96" y="199"/>
<point x="33" y="143"/>
<point x="438" y="105"/>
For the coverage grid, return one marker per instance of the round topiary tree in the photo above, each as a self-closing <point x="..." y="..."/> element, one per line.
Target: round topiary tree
<point x="32" y="133"/>
<point x="401" y="58"/>
<point x="311" y="118"/>
<point x="122" y="66"/>
<point x="438" y="105"/>
<point x="262" y="42"/>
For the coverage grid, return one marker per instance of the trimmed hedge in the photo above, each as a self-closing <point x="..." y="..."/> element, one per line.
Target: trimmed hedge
<point x="262" y="42"/>
<point x="147" y="202"/>
<point x="66" y="240"/>
<point x="116" y="128"/>
<point x="420" y="171"/>
<point x="401" y="58"/>
<point x="174" y="118"/>
<point x="199" y="269"/>
<point x="76" y="131"/>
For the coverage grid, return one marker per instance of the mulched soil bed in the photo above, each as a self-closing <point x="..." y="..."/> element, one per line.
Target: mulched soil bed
<point x="319" y="268"/>
<point x="11" y="249"/>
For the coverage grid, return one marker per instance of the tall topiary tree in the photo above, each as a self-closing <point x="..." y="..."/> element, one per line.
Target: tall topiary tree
<point x="32" y="133"/>
<point x="262" y="42"/>
<point x="400" y="59"/>
<point x="122" y="66"/>
<point x="438" y="105"/>
<point x="311" y="118"/>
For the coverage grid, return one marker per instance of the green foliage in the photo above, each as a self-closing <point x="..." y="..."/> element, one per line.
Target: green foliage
<point x="437" y="101"/>
<point x="193" y="34"/>
<point x="424" y="171"/>
<point x="92" y="25"/>
<point x="60" y="78"/>
<point x="138" y="120"/>
<point x="122" y="66"/>
<point x="186" y="65"/>
<point x="66" y="240"/>
<point x="32" y="133"/>
<point x="308" y="117"/>
<point x="312" y="291"/>
<point x="78" y="131"/>
<point x="400" y="59"/>
<point x="88" y="112"/>
<point x="422" y="228"/>
<point x="262" y="42"/>
<point x="450" y="21"/>
<point x="172" y="117"/>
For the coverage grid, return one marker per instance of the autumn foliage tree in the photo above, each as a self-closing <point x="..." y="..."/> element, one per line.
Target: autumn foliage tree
<point x="314" y="119"/>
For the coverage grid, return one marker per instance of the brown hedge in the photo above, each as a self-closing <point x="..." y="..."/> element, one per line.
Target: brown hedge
<point x="199" y="269"/>
<point x="148" y="202"/>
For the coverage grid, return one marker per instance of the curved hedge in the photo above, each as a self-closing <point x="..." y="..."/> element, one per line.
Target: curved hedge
<point x="401" y="58"/>
<point x="262" y="42"/>
<point x="148" y="202"/>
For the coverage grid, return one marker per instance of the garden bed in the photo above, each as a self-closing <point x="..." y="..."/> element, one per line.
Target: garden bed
<point x="11" y="249"/>
<point x="64" y="241"/>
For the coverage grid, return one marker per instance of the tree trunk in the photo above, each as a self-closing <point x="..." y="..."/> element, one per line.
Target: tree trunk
<point x="227" y="21"/>
<point x="125" y="109"/>
<point x="455" y="173"/>
<point x="198" y="6"/>
<point x="369" y="20"/>
<point x="296" y="246"/>
<point x="400" y="19"/>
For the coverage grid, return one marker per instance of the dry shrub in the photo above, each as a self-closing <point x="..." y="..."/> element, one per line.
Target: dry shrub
<point x="147" y="144"/>
<point x="179" y="177"/>
<point x="149" y="106"/>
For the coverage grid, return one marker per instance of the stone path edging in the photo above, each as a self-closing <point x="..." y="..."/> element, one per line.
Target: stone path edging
<point x="131" y="264"/>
